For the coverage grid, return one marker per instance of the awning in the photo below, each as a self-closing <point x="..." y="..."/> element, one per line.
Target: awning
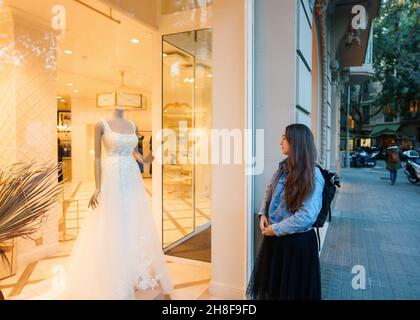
<point x="384" y="129"/>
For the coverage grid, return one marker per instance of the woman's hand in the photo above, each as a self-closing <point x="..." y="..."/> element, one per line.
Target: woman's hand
<point x="93" y="202"/>
<point x="266" y="228"/>
<point x="263" y="222"/>
<point x="268" y="232"/>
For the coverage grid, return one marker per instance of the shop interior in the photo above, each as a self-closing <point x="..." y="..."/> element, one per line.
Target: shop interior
<point x="97" y="55"/>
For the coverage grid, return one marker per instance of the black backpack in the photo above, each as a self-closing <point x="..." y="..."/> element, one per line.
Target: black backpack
<point x="332" y="181"/>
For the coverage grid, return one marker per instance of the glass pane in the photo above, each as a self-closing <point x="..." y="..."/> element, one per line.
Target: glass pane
<point x="178" y="100"/>
<point x="187" y="103"/>
<point x="203" y="125"/>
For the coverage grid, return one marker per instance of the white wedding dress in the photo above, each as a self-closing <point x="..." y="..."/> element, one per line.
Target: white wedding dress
<point x="118" y="250"/>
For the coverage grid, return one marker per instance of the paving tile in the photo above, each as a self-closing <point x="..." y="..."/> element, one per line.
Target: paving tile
<point x="374" y="225"/>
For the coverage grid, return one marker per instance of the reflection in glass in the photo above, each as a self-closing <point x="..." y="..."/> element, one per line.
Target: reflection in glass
<point x="172" y="6"/>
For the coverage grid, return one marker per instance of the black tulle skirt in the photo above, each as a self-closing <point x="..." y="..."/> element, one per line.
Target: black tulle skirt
<point x="287" y="268"/>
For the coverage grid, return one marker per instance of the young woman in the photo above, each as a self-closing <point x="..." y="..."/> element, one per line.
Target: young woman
<point x="287" y="266"/>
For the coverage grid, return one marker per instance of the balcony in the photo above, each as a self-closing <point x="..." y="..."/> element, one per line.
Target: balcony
<point x="360" y="74"/>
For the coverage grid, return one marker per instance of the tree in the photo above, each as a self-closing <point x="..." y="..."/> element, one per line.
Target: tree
<point x="396" y="55"/>
<point x="356" y="107"/>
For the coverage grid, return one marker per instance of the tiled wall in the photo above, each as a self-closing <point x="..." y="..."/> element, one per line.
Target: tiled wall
<point x="7" y="96"/>
<point x="28" y="114"/>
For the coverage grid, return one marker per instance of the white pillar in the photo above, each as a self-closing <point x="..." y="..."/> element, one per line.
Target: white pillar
<point x="228" y="185"/>
<point x="274" y="82"/>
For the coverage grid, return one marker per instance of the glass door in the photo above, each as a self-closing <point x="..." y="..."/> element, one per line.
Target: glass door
<point x="187" y="90"/>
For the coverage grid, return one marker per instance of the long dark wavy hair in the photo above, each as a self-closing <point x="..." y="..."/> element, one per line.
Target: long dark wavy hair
<point x="300" y="166"/>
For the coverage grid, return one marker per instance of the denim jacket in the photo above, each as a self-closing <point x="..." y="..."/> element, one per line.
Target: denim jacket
<point x="283" y="221"/>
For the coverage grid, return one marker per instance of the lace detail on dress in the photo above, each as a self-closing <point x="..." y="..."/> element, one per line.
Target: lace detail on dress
<point x="147" y="278"/>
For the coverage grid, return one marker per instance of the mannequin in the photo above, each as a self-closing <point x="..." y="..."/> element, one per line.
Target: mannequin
<point x="119" y="125"/>
<point x="118" y="251"/>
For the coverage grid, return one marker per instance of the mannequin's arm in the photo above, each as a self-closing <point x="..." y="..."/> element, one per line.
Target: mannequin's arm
<point x="136" y="153"/>
<point x="138" y="156"/>
<point x="98" y="168"/>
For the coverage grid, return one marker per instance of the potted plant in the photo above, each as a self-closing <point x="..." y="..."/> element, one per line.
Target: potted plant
<point x="27" y="193"/>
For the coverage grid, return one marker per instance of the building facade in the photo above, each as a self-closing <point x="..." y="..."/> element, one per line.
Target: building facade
<point x="271" y="63"/>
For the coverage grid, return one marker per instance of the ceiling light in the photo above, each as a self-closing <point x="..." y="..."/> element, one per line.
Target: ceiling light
<point x="70" y="84"/>
<point x="210" y="76"/>
<point x="59" y="97"/>
<point x="62" y="100"/>
<point x="135" y="41"/>
<point x="122" y="97"/>
<point x="76" y="91"/>
<point x="68" y="51"/>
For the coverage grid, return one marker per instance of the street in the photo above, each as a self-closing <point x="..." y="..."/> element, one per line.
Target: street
<point x="376" y="226"/>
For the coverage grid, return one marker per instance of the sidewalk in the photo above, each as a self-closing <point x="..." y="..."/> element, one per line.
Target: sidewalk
<point x="377" y="226"/>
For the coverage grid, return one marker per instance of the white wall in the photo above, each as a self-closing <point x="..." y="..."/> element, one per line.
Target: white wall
<point x="274" y="82"/>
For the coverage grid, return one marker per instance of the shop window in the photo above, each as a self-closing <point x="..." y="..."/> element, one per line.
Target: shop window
<point x="366" y="142"/>
<point x="414" y="106"/>
<point x="351" y="123"/>
<point x="366" y="114"/>
<point x="389" y="115"/>
<point x="351" y="142"/>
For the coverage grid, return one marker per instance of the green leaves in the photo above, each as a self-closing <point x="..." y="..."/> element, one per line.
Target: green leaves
<point x="397" y="54"/>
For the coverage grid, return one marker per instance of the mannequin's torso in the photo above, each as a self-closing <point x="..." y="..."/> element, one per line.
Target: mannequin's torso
<point x="119" y="125"/>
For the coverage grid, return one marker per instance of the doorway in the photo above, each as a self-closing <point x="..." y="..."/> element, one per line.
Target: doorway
<point x="187" y="110"/>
